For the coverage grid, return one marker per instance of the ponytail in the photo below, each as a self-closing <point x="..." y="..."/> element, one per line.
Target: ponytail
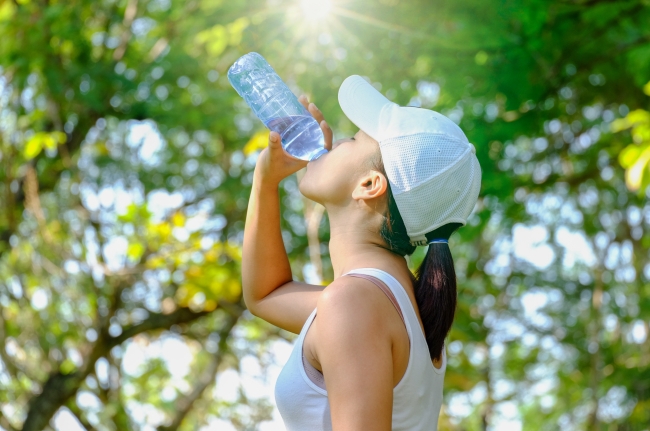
<point x="434" y="282"/>
<point x="435" y="290"/>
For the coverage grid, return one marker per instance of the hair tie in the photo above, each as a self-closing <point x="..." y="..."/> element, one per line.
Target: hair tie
<point x="441" y="240"/>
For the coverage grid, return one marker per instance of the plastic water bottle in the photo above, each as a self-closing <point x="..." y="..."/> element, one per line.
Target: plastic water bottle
<point x="278" y="108"/>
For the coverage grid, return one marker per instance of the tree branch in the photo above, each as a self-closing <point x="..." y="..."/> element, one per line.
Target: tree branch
<point x="113" y="393"/>
<point x="59" y="387"/>
<point x="184" y="405"/>
<point x="57" y="390"/>
<point x="129" y="14"/>
<point x="594" y="336"/>
<point x="156" y="321"/>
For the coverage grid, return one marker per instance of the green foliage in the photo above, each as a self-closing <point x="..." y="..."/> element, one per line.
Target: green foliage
<point x="635" y="158"/>
<point x="126" y="164"/>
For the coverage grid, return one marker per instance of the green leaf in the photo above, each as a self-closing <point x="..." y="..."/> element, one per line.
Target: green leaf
<point x="40" y="141"/>
<point x="214" y="39"/>
<point x="67" y="366"/>
<point x="7" y="10"/>
<point x="636" y="118"/>
<point x="135" y="251"/>
<point x="634" y="175"/>
<point x="481" y="58"/>
<point x="629" y="155"/>
<point x="33" y="147"/>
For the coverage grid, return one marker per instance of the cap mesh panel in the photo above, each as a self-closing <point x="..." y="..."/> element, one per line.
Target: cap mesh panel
<point x="414" y="159"/>
<point x="444" y="198"/>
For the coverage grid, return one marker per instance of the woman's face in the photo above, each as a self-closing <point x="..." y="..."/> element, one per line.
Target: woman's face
<point x="333" y="176"/>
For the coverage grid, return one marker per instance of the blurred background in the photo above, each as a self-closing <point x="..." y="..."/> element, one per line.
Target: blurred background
<point x="126" y="162"/>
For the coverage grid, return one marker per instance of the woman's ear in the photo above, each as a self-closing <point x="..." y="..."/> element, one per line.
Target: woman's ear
<point x="370" y="186"/>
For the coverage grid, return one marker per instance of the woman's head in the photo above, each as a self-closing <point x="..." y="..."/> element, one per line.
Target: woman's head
<point x="432" y="168"/>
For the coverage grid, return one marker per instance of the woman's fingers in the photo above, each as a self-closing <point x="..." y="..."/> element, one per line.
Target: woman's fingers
<point x="327" y="132"/>
<point x="304" y="101"/>
<point x="318" y="116"/>
<point x="312" y="108"/>
<point x="315" y="112"/>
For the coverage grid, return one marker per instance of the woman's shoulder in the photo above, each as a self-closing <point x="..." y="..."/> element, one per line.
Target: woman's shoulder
<point x="354" y="301"/>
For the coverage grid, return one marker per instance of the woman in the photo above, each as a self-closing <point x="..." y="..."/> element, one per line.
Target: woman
<point x="370" y="353"/>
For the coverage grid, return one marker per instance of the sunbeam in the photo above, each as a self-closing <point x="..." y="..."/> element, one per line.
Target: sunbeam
<point x="316" y="10"/>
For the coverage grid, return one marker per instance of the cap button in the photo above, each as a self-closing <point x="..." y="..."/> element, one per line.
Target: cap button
<point x="473" y="148"/>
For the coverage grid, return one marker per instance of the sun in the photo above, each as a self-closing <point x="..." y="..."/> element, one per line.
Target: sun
<point x="316" y="10"/>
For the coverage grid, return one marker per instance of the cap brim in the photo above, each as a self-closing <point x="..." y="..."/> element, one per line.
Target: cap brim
<point x="362" y="104"/>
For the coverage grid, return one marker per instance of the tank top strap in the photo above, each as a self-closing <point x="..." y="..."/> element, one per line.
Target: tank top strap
<point x="408" y="313"/>
<point x="395" y="287"/>
<point x="306" y="325"/>
<point x="384" y="288"/>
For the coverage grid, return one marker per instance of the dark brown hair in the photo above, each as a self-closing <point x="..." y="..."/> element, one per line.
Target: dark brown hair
<point x="434" y="282"/>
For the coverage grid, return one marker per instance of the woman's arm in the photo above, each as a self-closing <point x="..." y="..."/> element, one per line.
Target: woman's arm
<point x="269" y="290"/>
<point x="354" y="348"/>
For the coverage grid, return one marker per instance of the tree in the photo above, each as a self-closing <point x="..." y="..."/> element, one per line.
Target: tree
<point x="127" y="160"/>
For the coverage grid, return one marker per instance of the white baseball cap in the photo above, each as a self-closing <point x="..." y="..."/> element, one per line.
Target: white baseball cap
<point x="432" y="168"/>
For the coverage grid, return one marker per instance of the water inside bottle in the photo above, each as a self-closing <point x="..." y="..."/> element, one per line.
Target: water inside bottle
<point x="301" y="135"/>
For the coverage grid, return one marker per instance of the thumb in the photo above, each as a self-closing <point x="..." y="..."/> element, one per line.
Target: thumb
<point x="274" y="141"/>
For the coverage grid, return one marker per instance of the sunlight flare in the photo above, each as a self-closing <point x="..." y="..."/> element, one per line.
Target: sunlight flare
<point x="316" y="10"/>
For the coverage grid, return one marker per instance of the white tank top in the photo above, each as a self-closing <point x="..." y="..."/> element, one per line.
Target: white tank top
<point x="417" y="398"/>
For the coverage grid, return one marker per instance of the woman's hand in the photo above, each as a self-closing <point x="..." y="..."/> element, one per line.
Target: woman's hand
<point x="274" y="163"/>
<point x="315" y="112"/>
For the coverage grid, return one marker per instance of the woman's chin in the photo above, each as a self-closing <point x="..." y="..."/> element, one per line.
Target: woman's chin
<point x="306" y="191"/>
<point x="311" y="196"/>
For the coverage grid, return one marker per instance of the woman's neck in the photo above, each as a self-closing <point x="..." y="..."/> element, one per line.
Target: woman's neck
<point x="355" y="242"/>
